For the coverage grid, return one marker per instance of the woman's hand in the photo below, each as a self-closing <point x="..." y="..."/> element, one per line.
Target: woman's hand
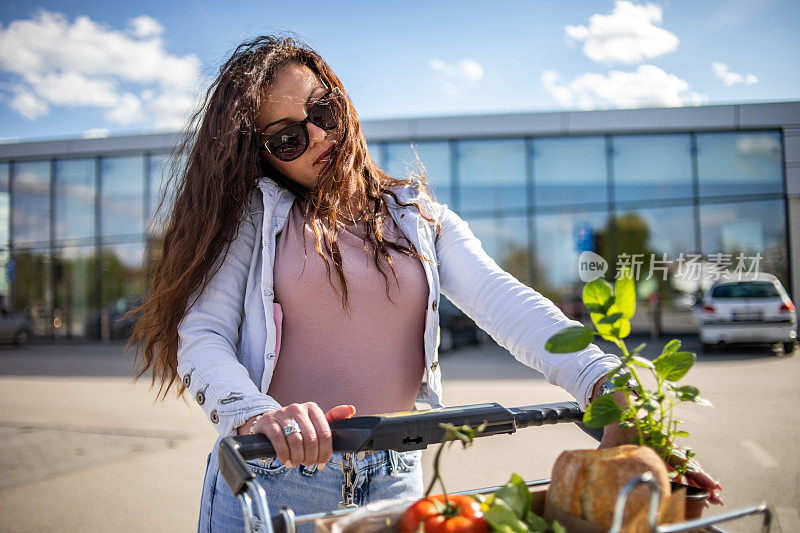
<point x="312" y="444"/>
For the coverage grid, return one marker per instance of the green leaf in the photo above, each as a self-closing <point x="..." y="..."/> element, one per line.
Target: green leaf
<point x="675" y="365"/>
<point x="558" y="528"/>
<point x="649" y="405"/>
<point x="603" y="329"/>
<point x="535" y="522"/>
<point x="481" y="498"/>
<point x="597" y="296"/>
<point x="702" y="401"/>
<point x="625" y="293"/>
<point x="601" y="412"/>
<point x="570" y="339"/>
<point x="671" y="347"/>
<point x="621" y="328"/>
<point x="503" y="519"/>
<point x="516" y="495"/>
<point x="681" y="434"/>
<point x="621" y="380"/>
<point x="686" y="392"/>
<point x="641" y="361"/>
<point x="610" y="319"/>
<point x="638" y="349"/>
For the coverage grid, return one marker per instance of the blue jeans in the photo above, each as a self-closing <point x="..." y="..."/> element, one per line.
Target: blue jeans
<point x="381" y="475"/>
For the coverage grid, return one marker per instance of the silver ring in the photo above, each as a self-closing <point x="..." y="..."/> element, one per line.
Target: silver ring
<point x="291" y="427"/>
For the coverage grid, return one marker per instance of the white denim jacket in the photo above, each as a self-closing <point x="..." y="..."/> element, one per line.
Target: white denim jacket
<point x="227" y="339"/>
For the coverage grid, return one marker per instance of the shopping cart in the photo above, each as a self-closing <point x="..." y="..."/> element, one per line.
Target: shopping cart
<point x="416" y="430"/>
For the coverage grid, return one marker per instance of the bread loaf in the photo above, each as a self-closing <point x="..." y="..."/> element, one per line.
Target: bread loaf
<point x="585" y="483"/>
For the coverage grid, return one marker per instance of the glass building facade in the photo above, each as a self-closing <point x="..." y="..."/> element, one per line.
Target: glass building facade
<point x="74" y="227"/>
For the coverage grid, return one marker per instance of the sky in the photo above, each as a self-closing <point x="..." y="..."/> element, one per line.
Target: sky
<point x="94" y="69"/>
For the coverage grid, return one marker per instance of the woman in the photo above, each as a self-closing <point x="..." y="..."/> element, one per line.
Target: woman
<point x="299" y="284"/>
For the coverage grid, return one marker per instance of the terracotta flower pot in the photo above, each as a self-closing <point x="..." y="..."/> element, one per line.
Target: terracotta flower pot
<point x="695" y="500"/>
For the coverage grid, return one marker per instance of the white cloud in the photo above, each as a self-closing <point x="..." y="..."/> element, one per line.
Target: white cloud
<point x="758" y="145"/>
<point x="455" y="78"/>
<point x="630" y="34"/>
<point x="94" y="133"/>
<point x="145" y="26"/>
<point x="732" y="78"/>
<point x="127" y="110"/>
<point x="72" y="88"/>
<point x="27" y="104"/>
<point x="647" y="86"/>
<point x="86" y="63"/>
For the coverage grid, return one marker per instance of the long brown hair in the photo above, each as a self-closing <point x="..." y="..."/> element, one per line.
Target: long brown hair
<point x="214" y="169"/>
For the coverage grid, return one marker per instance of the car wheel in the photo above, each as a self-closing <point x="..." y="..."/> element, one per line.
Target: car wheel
<point x="446" y="342"/>
<point x="23" y="336"/>
<point x="788" y="347"/>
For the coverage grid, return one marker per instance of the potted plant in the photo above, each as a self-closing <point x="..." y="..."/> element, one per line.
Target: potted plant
<point x="650" y="406"/>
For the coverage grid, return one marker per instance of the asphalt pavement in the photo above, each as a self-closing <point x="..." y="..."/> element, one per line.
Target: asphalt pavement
<point x="84" y="448"/>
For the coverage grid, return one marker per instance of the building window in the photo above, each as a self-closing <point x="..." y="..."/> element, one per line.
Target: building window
<point x="75" y="291"/>
<point x="31" y="283"/>
<point x="31" y="217"/>
<point x="506" y="241"/>
<point x="5" y="206"/>
<point x="375" y="150"/>
<point x="657" y="243"/>
<point x="746" y="230"/>
<point x="122" y="196"/>
<point x="435" y="156"/>
<point x="160" y="187"/>
<point x="491" y="176"/>
<point x="75" y="199"/>
<point x="121" y="267"/>
<point x="569" y="171"/>
<point x="652" y="167"/>
<point x="559" y="240"/>
<point x="733" y="163"/>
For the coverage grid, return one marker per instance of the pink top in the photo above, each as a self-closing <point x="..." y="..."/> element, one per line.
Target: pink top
<point x="372" y="358"/>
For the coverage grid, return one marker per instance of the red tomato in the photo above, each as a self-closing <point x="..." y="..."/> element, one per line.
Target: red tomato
<point x="465" y="517"/>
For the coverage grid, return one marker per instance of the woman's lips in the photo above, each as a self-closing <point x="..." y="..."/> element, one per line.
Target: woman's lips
<point x="324" y="156"/>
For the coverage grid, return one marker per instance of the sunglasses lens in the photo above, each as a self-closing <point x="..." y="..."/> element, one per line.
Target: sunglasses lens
<point x="322" y="115"/>
<point x="288" y="143"/>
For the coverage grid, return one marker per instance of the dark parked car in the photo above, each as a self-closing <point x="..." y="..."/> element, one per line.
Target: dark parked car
<point x="455" y="328"/>
<point x="14" y="328"/>
<point x="119" y="327"/>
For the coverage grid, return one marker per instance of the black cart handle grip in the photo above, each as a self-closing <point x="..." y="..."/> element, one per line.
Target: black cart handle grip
<point x="404" y="431"/>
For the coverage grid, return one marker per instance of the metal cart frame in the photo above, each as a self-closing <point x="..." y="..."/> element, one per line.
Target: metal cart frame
<point x="416" y="430"/>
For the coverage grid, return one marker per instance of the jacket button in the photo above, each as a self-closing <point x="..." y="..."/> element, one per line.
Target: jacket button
<point x="434" y="365"/>
<point x="270" y="355"/>
<point x="201" y="398"/>
<point x="435" y="305"/>
<point x="187" y="379"/>
<point x="214" y="416"/>
<point x="402" y="215"/>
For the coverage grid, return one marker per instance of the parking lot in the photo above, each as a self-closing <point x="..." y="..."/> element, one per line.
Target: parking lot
<point x="85" y="449"/>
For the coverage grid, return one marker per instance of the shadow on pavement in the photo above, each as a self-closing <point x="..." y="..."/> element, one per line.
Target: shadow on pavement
<point x="484" y="361"/>
<point x="67" y="358"/>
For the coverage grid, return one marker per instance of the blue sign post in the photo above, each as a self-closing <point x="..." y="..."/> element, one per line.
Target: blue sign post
<point x="584" y="237"/>
<point x="11" y="269"/>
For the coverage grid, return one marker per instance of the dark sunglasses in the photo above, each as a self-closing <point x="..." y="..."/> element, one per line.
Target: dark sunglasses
<point x="290" y="142"/>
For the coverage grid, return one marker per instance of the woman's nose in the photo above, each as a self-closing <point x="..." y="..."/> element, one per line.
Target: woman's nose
<point x="315" y="133"/>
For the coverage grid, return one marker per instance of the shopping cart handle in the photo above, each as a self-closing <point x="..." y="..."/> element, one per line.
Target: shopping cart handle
<point x="407" y="430"/>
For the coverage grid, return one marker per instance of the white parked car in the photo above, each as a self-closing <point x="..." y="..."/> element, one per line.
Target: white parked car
<point x="756" y="309"/>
